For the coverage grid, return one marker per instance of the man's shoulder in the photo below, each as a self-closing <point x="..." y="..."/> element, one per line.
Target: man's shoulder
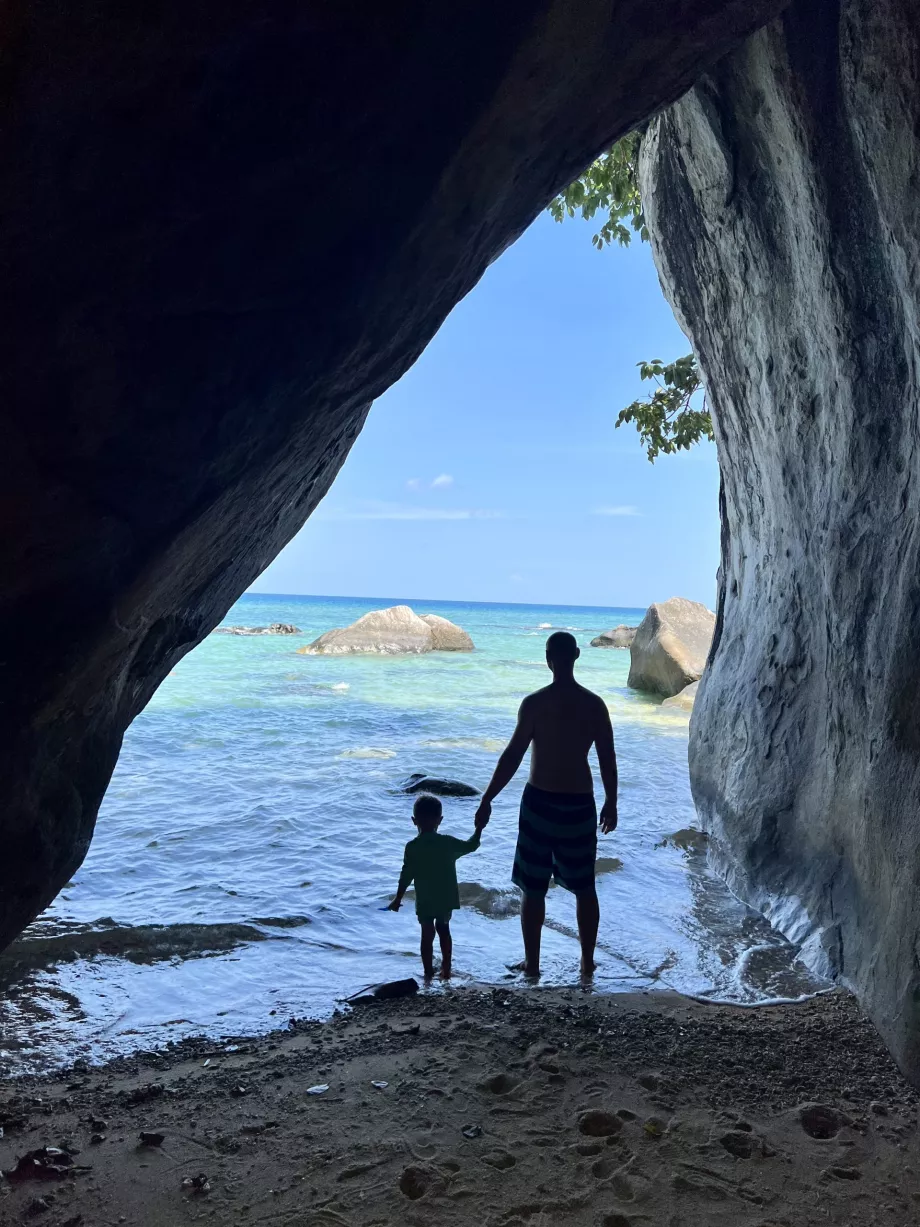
<point x="536" y="697"/>
<point x="592" y="698"/>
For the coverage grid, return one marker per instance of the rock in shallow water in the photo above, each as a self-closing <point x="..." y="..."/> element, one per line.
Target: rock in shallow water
<point x="276" y="628"/>
<point x="671" y="645"/>
<point x="391" y="632"/>
<point x="438" y="787"/>
<point x="683" y="700"/>
<point x="618" y="637"/>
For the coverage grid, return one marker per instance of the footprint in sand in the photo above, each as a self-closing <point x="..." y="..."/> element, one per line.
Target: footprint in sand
<point x="498" y="1084"/>
<point x="499" y="1159"/>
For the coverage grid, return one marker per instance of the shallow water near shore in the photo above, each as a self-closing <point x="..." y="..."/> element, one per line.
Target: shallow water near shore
<point x="253" y="831"/>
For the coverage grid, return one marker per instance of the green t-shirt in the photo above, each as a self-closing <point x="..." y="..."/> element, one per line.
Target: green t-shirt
<point x="430" y="862"/>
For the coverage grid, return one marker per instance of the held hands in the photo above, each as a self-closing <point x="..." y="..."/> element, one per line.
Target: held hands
<point x="483" y="814"/>
<point x="608" y="818"/>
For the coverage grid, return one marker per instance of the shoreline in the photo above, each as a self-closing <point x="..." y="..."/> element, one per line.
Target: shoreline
<point x="501" y="1106"/>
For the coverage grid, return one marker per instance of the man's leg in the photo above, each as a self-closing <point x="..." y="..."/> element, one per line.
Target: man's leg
<point x="533" y="913"/>
<point x="447" y="947"/>
<point x="428" y="948"/>
<point x="588" y="912"/>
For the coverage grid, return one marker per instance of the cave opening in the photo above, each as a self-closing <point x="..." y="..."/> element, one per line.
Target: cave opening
<point x="255" y="820"/>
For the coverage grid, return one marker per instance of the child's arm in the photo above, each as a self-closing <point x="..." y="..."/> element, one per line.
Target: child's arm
<point x="463" y="846"/>
<point x="405" y="879"/>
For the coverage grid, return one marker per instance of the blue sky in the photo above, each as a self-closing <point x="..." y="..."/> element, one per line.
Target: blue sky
<point x="493" y="472"/>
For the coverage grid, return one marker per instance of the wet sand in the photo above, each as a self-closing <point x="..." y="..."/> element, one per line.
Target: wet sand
<point x="500" y="1107"/>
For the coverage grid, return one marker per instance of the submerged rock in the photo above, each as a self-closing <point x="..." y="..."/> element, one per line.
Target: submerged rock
<point x="671" y="645"/>
<point x="438" y="787"/>
<point x="684" y="699"/>
<point x="619" y="637"/>
<point x="391" y="632"/>
<point x="276" y="628"/>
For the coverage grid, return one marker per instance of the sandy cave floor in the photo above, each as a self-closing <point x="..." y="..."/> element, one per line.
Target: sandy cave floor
<point x="501" y="1107"/>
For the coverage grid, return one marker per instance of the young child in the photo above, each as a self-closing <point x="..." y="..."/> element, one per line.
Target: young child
<point x="430" y="862"/>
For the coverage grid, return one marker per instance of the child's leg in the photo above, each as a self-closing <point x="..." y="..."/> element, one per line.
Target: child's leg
<point x="447" y="947"/>
<point x="428" y="947"/>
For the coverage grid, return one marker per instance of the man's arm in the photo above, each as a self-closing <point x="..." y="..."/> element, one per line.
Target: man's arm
<point x="405" y="880"/>
<point x="509" y="761"/>
<point x="607" y="761"/>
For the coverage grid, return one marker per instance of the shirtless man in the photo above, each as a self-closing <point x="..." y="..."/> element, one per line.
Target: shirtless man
<point x="557" y="832"/>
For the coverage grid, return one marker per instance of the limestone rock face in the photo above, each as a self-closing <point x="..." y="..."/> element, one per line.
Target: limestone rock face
<point x="782" y="198"/>
<point x="618" y="637"/>
<point x="670" y="646"/>
<point x="201" y="307"/>
<point x="391" y="632"/>
<point x="445" y="636"/>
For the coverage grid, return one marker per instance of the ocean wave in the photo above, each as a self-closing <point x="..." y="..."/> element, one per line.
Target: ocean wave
<point x="490" y="745"/>
<point x="366" y="752"/>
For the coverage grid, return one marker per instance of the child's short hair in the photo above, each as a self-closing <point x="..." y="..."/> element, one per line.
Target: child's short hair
<point x="426" y="808"/>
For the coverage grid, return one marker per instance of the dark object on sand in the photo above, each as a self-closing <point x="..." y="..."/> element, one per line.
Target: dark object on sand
<point x="385" y="992"/>
<point x="149" y="1137"/>
<point x="437" y="787"/>
<point x="46" y="1163"/>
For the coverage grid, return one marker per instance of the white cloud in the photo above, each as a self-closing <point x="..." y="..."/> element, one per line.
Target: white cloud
<point x="442" y="481"/>
<point x="399" y="511"/>
<point x="414" y="483"/>
<point x="516" y="577"/>
<point x="617" y="511"/>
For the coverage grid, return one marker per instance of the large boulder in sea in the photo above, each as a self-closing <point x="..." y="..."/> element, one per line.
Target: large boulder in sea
<point x="391" y="632"/>
<point x="445" y="636"/>
<point x="671" y="645"/>
<point x="619" y="637"/>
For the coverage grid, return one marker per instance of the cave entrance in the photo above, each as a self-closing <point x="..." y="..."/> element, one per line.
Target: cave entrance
<point x="255" y="818"/>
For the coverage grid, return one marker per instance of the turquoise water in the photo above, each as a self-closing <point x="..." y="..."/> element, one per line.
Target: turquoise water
<point x="257" y="788"/>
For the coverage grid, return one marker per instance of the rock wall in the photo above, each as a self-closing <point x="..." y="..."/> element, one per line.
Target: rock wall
<point x="783" y="193"/>
<point x="225" y="228"/>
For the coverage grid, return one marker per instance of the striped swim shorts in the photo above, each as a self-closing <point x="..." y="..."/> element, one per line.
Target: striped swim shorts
<point x="557" y="837"/>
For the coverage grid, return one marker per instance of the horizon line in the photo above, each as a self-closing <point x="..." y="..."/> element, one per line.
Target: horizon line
<point x="315" y="596"/>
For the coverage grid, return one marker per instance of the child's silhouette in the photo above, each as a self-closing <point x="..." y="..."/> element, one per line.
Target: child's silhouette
<point x="430" y="862"/>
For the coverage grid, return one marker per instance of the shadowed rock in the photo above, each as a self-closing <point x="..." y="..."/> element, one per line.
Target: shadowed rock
<point x="670" y="648"/>
<point x="618" y="637"/>
<point x="202" y="301"/>
<point x="438" y="787"/>
<point x="789" y="242"/>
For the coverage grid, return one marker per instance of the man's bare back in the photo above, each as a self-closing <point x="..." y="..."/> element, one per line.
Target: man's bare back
<point x="564" y="721"/>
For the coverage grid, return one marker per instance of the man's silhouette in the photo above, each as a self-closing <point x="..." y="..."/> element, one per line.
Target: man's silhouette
<point x="557" y="835"/>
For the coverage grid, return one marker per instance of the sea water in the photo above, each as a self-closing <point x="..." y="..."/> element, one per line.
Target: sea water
<point x="255" y="817"/>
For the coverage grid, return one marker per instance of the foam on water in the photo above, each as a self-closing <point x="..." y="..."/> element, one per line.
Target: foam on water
<point x="253" y="819"/>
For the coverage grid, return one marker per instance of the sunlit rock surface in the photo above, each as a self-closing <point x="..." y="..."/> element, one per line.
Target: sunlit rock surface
<point x="670" y="646"/>
<point x="618" y="637"/>
<point x="783" y="194"/>
<point x="225" y="228"/>
<point x="391" y="632"/>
